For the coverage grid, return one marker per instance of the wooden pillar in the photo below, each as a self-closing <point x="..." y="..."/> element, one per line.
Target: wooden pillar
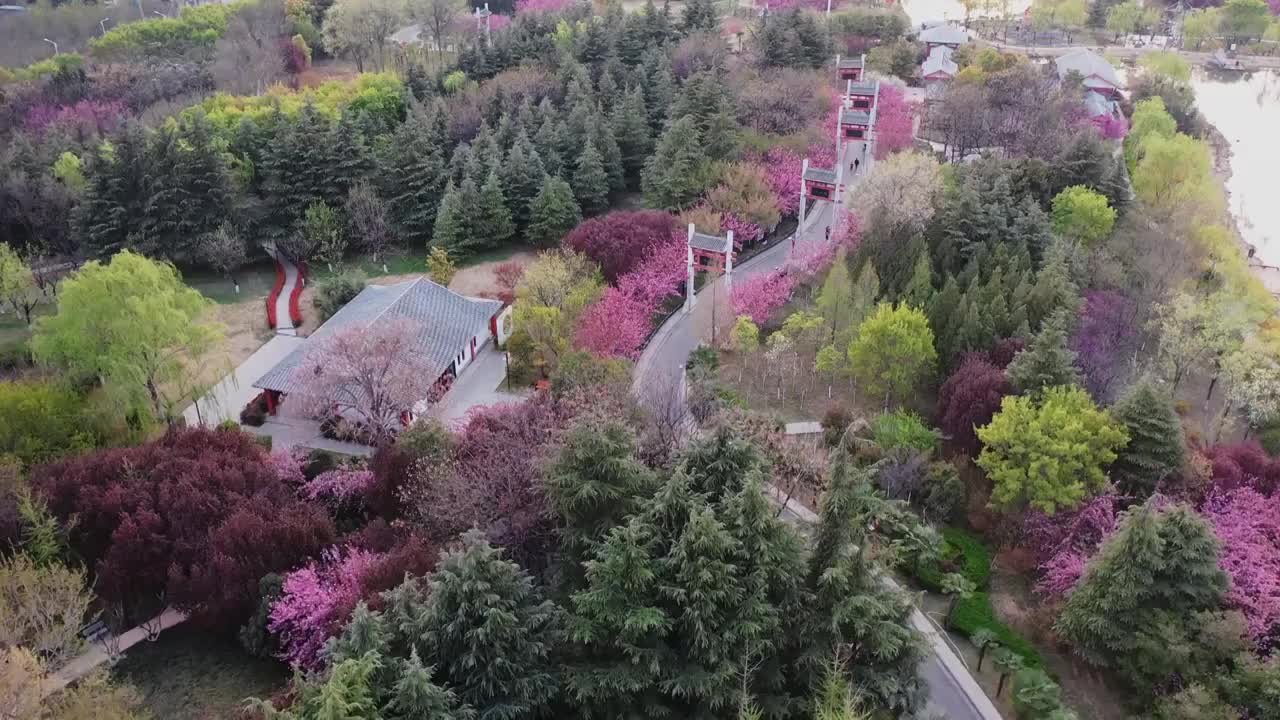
<point x="728" y="262"/>
<point x="271" y="402"/>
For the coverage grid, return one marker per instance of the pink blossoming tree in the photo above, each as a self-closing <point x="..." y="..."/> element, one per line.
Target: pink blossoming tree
<point x="316" y="599"/>
<point x="370" y="374"/>
<point x="759" y="295"/>
<point x="619" y="322"/>
<point x="339" y="485"/>
<point x="895" y="121"/>
<point x="530" y="6"/>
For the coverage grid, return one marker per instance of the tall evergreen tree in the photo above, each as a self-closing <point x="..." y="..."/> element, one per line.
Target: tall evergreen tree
<point x="547" y="142"/>
<point x="1158" y="567"/>
<point x="110" y="215"/>
<point x="1047" y="361"/>
<point x="491" y="633"/>
<point x="590" y="182"/>
<point x="595" y="481"/>
<point x="1155" y="449"/>
<point x="522" y="175"/>
<point x="631" y="128"/>
<point x="453" y="222"/>
<point x="835" y="298"/>
<point x="413" y="177"/>
<point x="699" y="15"/>
<point x="416" y="697"/>
<point x="677" y="173"/>
<point x="553" y="213"/>
<point x="717" y="464"/>
<point x="162" y="217"/>
<point x="492" y="226"/>
<point x="601" y="134"/>
<point x="919" y="291"/>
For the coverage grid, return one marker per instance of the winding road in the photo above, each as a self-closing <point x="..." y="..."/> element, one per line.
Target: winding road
<point x="953" y="694"/>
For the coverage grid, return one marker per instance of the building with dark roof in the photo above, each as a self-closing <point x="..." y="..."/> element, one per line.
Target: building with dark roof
<point x="453" y="329"/>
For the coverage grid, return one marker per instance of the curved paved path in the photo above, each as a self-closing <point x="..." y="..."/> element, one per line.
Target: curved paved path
<point x="658" y="382"/>
<point x="284" y="321"/>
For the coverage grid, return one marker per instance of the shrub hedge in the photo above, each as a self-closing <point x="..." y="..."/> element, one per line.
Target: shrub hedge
<point x="976" y="612"/>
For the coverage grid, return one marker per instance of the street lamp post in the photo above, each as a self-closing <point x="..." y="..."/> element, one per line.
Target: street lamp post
<point x="54" y="44"/>
<point x="103" y="24"/>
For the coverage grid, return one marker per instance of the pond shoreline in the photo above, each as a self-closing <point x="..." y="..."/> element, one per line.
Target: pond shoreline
<point x="1268" y="275"/>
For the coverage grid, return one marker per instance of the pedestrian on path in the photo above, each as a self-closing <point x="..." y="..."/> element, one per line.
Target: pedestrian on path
<point x="856" y="163"/>
<point x="828" y="232"/>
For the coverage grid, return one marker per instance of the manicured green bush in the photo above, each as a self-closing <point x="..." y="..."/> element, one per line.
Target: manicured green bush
<point x="335" y="291"/>
<point x="976" y="613"/>
<point x="903" y="429"/>
<point x="962" y="552"/>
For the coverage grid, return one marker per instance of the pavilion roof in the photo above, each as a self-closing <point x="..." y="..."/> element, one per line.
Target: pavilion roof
<point x="822" y="175"/>
<point x="862" y="88"/>
<point x="848" y="63"/>
<point x="849" y="116"/>
<point x="944" y="35"/>
<point x="710" y="243"/>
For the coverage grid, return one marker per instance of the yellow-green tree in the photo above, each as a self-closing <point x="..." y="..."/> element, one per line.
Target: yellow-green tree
<point x="133" y="324"/>
<point x="1082" y="215"/>
<point x="893" y="351"/>
<point x="1048" y="454"/>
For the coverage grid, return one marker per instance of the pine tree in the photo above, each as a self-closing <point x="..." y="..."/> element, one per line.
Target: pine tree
<point x="676" y="173"/>
<point x="521" y="179"/>
<point x="1054" y="289"/>
<point x="162" y="217"/>
<point x="590" y="182"/>
<point x="848" y="495"/>
<point x="547" y="142"/>
<point x="718" y="464"/>
<point x="1161" y="563"/>
<point x="352" y="161"/>
<point x="631" y="128"/>
<point x="610" y="154"/>
<point x="1047" y="361"/>
<point x="595" y="481"/>
<point x="623" y="628"/>
<point x="111" y="212"/>
<point x="205" y="201"/>
<point x="413" y="176"/>
<point x="660" y="92"/>
<point x="919" y="291"/>
<point x="347" y="694"/>
<point x="365" y="632"/>
<point x="492" y="226"/>
<point x="1155" y="448"/>
<point x="491" y="633"/>
<point x="416" y="697"/>
<point x="699" y="15"/>
<point x="553" y="213"/>
<point x="452" y="224"/>
<point x="707" y="596"/>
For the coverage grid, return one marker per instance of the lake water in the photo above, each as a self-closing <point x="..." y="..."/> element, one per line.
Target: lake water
<point x="1246" y="110"/>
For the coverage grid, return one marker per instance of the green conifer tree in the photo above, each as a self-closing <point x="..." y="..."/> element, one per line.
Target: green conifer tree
<point x="717" y="464"/>
<point x="595" y="481"/>
<point x="590" y="182"/>
<point x="413" y="177"/>
<point x="552" y="213"/>
<point x="699" y="15"/>
<point x="452" y="225"/>
<point x="835" y="298"/>
<point x="547" y="142"/>
<point x="676" y="174"/>
<point x="491" y="633"/>
<point x="610" y="154"/>
<point x="1155" y="449"/>
<point x="1047" y="361"/>
<point x="365" y="632"/>
<point x="416" y="697"/>
<point x="493" y="226"/>
<point x="631" y="128"/>
<point x="1159" y="566"/>
<point x="522" y="176"/>
<point x="919" y="291"/>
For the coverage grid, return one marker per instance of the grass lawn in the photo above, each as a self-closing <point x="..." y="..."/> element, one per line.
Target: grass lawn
<point x="189" y="674"/>
<point x="256" y="280"/>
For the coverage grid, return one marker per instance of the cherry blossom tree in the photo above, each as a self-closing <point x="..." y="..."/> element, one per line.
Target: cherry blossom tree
<point x="339" y="485"/>
<point x="759" y="295"/>
<point x="619" y="241"/>
<point x="375" y="373"/>
<point x="895" y="121"/>
<point x="532" y="6"/>
<point x="618" y="324"/>
<point x="782" y="172"/>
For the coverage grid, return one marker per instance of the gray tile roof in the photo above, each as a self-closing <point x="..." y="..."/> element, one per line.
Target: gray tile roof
<point x="939" y="60"/>
<point x="862" y="88"/>
<point x="1090" y="65"/>
<point x="850" y="116"/>
<point x="944" y="35"/>
<point x="822" y="175"/>
<point x="847" y="63"/>
<point x="712" y="243"/>
<point x="448" y="322"/>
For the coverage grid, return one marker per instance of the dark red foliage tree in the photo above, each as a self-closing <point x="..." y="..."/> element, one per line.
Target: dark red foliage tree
<point x="968" y="399"/>
<point x="1243" y="465"/>
<point x="491" y="479"/>
<point x="199" y="515"/>
<point x="1002" y="353"/>
<point x="619" y="240"/>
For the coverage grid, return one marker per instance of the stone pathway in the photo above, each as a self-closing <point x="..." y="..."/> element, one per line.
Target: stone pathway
<point x="96" y="655"/>
<point x="225" y="400"/>
<point x="284" y="321"/>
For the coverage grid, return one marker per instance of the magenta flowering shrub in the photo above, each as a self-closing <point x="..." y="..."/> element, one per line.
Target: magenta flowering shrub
<point x="1247" y="524"/>
<point x="1114" y="128"/>
<point x="83" y="118"/>
<point x="618" y="324"/>
<point x="759" y="295"/>
<point x="895" y="121"/>
<point x="498" y="22"/>
<point x="1062" y="543"/>
<point x="315" y="602"/>
<point x="339" y="485"/>
<point x="1104" y="341"/>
